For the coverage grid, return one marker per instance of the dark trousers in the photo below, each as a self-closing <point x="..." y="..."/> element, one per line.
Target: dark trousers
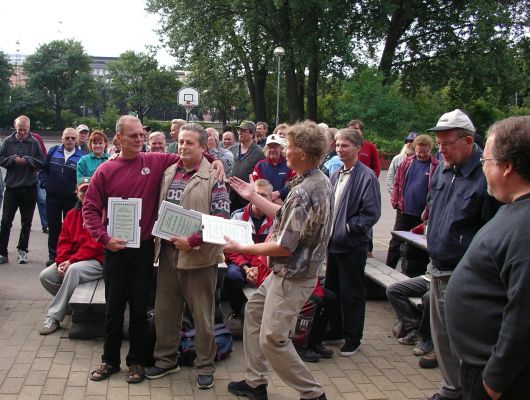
<point x="233" y="283"/>
<point x="398" y="295"/>
<point x="345" y="277"/>
<point x="415" y="260"/>
<point x="321" y="320"/>
<point x="128" y="276"/>
<point x="56" y="209"/>
<point x="25" y="199"/>
<point x="473" y="388"/>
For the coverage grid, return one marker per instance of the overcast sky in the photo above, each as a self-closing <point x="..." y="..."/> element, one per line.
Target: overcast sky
<point x="104" y="27"/>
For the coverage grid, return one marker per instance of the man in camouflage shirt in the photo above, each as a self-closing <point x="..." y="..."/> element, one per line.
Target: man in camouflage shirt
<point x="297" y="248"/>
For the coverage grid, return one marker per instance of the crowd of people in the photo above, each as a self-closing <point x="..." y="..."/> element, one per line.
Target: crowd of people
<point x="311" y="195"/>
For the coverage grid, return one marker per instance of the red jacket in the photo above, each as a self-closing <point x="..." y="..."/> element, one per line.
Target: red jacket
<point x="75" y="243"/>
<point x="369" y="156"/>
<point x="240" y="260"/>
<point x="398" y="193"/>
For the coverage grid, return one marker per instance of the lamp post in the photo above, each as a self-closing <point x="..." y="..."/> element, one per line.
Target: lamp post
<point x="278" y="52"/>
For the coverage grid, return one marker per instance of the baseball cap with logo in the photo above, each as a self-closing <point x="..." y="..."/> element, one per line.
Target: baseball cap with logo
<point x="251" y="126"/>
<point x="83" y="181"/>
<point x="274" y="138"/>
<point x="82" y="128"/>
<point x="452" y="120"/>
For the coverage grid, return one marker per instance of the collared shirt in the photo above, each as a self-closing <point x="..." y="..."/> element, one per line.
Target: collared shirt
<point x="303" y="226"/>
<point x="459" y="206"/>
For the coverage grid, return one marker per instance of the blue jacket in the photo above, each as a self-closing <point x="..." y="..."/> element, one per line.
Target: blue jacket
<point x="58" y="177"/>
<point x="357" y="211"/>
<point x="459" y="205"/>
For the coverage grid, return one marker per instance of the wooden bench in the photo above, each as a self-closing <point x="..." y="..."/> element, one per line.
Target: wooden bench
<point x="384" y="276"/>
<point x="88" y="310"/>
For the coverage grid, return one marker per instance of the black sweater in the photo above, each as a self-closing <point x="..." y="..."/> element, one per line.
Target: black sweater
<point x="488" y="297"/>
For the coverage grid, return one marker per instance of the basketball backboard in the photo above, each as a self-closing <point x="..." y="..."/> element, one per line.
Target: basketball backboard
<point x="188" y="96"/>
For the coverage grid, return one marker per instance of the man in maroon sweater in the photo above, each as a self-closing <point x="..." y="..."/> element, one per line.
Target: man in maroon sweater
<point x="127" y="271"/>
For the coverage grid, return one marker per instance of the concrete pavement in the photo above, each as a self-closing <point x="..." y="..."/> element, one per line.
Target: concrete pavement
<point x="53" y="367"/>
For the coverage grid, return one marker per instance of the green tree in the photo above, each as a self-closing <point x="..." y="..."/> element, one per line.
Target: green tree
<point x="5" y="73"/>
<point x="140" y="84"/>
<point x="60" y="72"/>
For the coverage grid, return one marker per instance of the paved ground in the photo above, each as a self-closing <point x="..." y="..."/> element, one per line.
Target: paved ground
<point x="54" y="367"/>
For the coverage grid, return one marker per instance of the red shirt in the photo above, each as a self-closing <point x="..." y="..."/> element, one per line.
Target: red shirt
<point x="369" y="156"/>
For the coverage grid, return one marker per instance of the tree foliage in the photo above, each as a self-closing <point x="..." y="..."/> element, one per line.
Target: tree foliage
<point x="59" y="72"/>
<point x="137" y="81"/>
<point x="5" y="73"/>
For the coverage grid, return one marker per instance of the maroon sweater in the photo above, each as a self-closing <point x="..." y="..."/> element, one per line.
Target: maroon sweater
<point x="136" y="178"/>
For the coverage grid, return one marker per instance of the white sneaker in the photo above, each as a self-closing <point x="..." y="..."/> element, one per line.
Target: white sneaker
<point x="22" y="257"/>
<point x="49" y="325"/>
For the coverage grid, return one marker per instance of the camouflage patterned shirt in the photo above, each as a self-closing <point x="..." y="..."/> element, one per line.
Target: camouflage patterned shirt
<point x="303" y="226"/>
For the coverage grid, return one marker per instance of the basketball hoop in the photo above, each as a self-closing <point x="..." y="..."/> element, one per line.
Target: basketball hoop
<point x="188" y="98"/>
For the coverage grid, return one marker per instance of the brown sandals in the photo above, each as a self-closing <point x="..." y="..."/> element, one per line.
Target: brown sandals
<point x="103" y="372"/>
<point x="135" y="374"/>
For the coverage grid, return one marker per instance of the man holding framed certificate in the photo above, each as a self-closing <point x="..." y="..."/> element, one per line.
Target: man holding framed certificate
<point x="127" y="270"/>
<point x="187" y="272"/>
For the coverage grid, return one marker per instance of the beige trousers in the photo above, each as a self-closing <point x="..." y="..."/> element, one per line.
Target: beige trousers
<point x="175" y="289"/>
<point x="270" y="316"/>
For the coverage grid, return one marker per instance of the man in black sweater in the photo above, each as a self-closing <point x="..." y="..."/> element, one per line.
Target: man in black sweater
<point x="488" y="296"/>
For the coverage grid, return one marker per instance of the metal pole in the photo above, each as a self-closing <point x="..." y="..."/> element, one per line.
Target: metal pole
<point x="278" y="95"/>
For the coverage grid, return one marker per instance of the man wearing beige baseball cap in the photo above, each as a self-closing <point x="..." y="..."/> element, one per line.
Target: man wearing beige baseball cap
<point x="459" y="206"/>
<point x="82" y="138"/>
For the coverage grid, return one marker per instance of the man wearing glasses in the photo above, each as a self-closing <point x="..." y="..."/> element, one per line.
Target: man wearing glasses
<point x="21" y="156"/>
<point x="459" y="206"/>
<point x="58" y="176"/>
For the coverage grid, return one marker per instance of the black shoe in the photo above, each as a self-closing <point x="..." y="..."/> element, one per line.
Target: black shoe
<point x="49" y="262"/>
<point x="322" y="350"/>
<point x="155" y="372"/>
<point x="308" y="355"/>
<point x="321" y="397"/>
<point x="205" y="381"/>
<point x="429" y="361"/>
<point x="349" y="349"/>
<point x="45" y="230"/>
<point x="438" y="396"/>
<point x="242" y="388"/>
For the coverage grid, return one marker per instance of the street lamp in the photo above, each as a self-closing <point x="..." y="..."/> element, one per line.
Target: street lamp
<point x="278" y="52"/>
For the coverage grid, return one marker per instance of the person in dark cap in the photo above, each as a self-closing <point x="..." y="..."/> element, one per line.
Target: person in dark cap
<point x="246" y="155"/>
<point x="406" y="150"/>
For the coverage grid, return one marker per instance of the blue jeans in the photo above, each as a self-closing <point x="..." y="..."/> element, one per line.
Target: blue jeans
<point x="233" y="283"/>
<point x="41" y="205"/>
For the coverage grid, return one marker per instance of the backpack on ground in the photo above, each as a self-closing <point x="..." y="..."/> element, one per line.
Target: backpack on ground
<point x="223" y="342"/>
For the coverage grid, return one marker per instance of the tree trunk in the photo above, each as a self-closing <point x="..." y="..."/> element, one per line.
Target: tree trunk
<point x="312" y="86"/>
<point x="402" y="18"/>
<point x="260" y="79"/>
<point x="294" y="105"/>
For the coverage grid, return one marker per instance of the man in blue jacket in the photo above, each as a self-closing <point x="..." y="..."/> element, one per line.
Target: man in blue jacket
<point x="459" y="206"/>
<point x="21" y="156"/>
<point x="357" y="209"/>
<point x="58" y="177"/>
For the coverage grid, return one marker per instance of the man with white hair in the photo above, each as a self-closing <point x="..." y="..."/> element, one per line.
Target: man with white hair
<point x="21" y="156"/>
<point x="157" y="142"/>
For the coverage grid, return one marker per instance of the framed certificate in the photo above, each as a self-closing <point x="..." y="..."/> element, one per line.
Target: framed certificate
<point x="214" y="229"/>
<point x="174" y="220"/>
<point x="124" y="219"/>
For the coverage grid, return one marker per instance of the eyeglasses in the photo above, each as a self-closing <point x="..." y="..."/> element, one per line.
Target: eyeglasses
<point x="83" y="189"/>
<point x="70" y="138"/>
<point x="243" y="131"/>
<point x="483" y="160"/>
<point x="447" y="144"/>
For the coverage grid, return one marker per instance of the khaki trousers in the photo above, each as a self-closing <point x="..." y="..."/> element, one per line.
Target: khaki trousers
<point x="270" y="315"/>
<point x="175" y="289"/>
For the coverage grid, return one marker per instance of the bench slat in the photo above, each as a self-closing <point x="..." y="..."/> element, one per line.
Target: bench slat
<point x="82" y="296"/>
<point x="98" y="301"/>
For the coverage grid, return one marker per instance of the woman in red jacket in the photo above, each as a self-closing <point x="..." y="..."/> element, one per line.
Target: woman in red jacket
<point x="79" y="259"/>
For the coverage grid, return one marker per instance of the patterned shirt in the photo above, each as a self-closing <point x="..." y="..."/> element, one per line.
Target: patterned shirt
<point x="303" y="226"/>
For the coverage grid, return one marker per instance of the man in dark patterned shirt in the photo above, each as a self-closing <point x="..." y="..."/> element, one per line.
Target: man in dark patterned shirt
<point x="296" y="248"/>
